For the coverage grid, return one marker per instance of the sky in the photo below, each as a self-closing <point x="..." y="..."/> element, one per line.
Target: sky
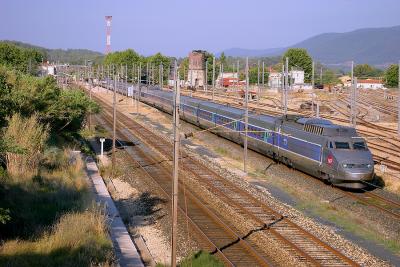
<point x="175" y="27"/>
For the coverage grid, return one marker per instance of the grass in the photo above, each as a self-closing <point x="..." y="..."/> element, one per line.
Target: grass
<point x="221" y="151"/>
<point x="198" y="259"/>
<point x="52" y="221"/>
<point x="349" y="223"/>
<point x="77" y="239"/>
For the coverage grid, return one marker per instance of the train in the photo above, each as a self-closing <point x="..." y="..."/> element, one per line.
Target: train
<point x="333" y="153"/>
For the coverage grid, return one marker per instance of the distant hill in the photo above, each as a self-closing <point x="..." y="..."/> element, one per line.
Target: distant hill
<point x="376" y="46"/>
<point x="71" y="56"/>
<point x="240" y="52"/>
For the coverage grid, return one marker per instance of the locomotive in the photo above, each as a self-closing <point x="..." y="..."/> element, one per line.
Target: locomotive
<point x="331" y="152"/>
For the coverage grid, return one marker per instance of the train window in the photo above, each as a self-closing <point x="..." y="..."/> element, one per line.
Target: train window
<point x="256" y="132"/>
<point x="342" y="145"/>
<point x="359" y="145"/>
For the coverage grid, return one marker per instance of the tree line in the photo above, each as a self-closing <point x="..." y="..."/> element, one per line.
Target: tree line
<point x="298" y="59"/>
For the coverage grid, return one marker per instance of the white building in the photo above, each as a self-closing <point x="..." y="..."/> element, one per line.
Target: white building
<point x="370" y="84"/>
<point x="275" y="80"/>
<point x="297" y="76"/>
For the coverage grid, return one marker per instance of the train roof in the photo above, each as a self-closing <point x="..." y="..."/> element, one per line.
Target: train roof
<point x="319" y="126"/>
<point x="313" y="125"/>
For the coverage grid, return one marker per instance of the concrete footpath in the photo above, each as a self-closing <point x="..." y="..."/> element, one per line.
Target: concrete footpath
<point x="125" y="250"/>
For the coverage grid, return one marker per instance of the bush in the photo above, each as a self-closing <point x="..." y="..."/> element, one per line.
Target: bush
<point x="25" y="139"/>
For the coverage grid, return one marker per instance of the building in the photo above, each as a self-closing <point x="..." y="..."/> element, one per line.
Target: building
<point x="229" y="79"/>
<point x="370" y="84"/>
<point x="296" y="76"/>
<point x="275" y="80"/>
<point x="196" y="72"/>
<point x="345" y="80"/>
<point x="49" y="69"/>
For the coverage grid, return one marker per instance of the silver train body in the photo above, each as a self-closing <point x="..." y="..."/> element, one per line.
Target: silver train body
<point x="333" y="153"/>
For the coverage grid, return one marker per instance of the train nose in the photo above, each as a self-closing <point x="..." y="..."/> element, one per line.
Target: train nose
<point x="357" y="171"/>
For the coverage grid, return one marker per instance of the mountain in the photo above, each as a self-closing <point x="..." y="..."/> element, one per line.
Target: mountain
<point x="376" y="46"/>
<point x="71" y="56"/>
<point x="240" y="52"/>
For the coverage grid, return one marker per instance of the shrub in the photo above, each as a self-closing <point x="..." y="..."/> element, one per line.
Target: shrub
<point x="28" y="138"/>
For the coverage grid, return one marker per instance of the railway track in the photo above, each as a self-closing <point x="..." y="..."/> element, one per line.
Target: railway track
<point x="213" y="234"/>
<point x="305" y="247"/>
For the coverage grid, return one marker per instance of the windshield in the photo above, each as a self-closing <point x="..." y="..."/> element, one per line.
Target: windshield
<point x="342" y="145"/>
<point x="359" y="145"/>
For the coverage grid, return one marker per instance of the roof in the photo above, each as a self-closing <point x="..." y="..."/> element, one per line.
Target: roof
<point x="370" y="81"/>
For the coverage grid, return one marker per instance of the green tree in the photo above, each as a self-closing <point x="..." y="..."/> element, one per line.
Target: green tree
<point x="209" y="58"/>
<point x="61" y="109"/>
<point x="22" y="59"/>
<point x="330" y="77"/>
<point x="392" y="76"/>
<point x="299" y="58"/>
<point x="127" y="57"/>
<point x="222" y="59"/>
<point x="365" y="70"/>
<point x="155" y="61"/>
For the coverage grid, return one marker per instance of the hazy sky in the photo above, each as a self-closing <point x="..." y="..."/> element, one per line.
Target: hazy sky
<point x="174" y="27"/>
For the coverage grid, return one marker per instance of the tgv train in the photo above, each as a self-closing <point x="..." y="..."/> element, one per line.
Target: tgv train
<point x="334" y="153"/>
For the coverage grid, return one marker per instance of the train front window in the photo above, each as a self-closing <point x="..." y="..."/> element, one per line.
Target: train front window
<point x="359" y="145"/>
<point x="342" y="145"/>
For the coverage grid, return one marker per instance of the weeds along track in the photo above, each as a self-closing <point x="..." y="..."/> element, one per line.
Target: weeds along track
<point x="305" y="247"/>
<point x="381" y="202"/>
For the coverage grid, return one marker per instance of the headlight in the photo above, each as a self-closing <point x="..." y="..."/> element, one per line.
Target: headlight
<point x="344" y="165"/>
<point x="369" y="166"/>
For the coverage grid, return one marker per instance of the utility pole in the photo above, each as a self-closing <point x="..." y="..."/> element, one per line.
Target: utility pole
<point x="312" y="88"/>
<point x="175" y="170"/>
<point x="90" y="112"/>
<point x="206" y="78"/>
<point x="147" y="74"/>
<point x="153" y="79"/>
<point x="126" y="80"/>
<point x="258" y="82"/>
<point x="263" y="74"/>
<point x="162" y="76"/>
<point x="222" y="75"/>
<point x="286" y="84"/>
<point x="139" y="88"/>
<point x="114" y="127"/>
<point x="398" y="107"/>
<point x="246" y="117"/>
<point x="213" y="79"/>
<point x="351" y="94"/>
<point x="283" y="87"/>
<point x="320" y="76"/>
<point x="237" y="74"/>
